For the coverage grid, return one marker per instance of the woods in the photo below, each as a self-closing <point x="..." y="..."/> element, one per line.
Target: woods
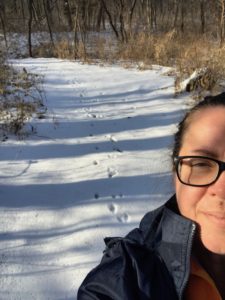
<point x="187" y="34"/>
<point x="125" y="18"/>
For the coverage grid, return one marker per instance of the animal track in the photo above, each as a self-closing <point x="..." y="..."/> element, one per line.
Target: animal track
<point x="112" y="172"/>
<point x="113" y="208"/>
<point x="94" y="116"/>
<point x="95" y="162"/>
<point x="96" y="195"/>
<point x="112" y="138"/>
<point x="123" y="218"/>
<point x="91" y="114"/>
<point x="117" y="149"/>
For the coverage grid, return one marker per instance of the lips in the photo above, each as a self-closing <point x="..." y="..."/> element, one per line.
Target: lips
<point x="218" y="217"/>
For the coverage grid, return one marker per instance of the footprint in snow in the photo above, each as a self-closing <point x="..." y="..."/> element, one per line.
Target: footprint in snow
<point x="117" y="149"/>
<point x="113" y="208"/>
<point x="96" y="195"/>
<point x="123" y="218"/>
<point x="97" y="116"/>
<point x="93" y="116"/>
<point x="112" y="138"/>
<point x="112" y="172"/>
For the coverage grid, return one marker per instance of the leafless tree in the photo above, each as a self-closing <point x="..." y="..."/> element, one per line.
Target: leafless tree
<point x="68" y="14"/>
<point x="124" y="18"/>
<point x="47" y="10"/>
<point x="109" y="15"/>
<point x="202" y="14"/>
<point x="221" y="20"/>
<point x="2" y="19"/>
<point x="30" y="9"/>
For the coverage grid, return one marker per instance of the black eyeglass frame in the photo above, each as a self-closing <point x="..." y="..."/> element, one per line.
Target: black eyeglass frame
<point x="220" y="163"/>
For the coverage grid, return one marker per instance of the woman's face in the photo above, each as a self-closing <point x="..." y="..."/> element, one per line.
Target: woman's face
<point x="205" y="136"/>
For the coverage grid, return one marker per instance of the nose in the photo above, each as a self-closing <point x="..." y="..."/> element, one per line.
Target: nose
<point x="218" y="187"/>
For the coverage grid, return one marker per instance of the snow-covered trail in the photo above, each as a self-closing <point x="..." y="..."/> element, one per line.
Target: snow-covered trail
<point x="98" y="162"/>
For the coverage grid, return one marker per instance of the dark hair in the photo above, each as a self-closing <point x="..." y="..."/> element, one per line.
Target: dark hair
<point x="209" y="101"/>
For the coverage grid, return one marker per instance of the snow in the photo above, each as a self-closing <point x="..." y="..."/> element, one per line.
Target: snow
<point x="98" y="161"/>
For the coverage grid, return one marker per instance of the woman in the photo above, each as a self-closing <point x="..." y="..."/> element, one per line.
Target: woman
<point x="178" y="252"/>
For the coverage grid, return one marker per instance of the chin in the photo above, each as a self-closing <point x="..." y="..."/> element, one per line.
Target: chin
<point x="212" y="237"/>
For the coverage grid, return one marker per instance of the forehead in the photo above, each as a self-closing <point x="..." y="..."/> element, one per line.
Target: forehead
<point x="207" y="115"/>
<point x="206" y="127"/>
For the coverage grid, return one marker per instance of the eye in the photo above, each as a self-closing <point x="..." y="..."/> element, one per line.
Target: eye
<point x="201" y="163"/>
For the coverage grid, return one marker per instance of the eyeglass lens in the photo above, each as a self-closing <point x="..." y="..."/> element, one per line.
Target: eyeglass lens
<point x="197" y="171"/>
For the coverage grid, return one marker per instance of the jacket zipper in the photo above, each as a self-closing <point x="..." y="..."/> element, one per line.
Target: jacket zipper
<point x="189" y="257"/>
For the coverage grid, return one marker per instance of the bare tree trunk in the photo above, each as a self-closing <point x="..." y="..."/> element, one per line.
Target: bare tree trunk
<point x="221" y="25"/>
<point x="48" y="21"/>
<point x="58" y="14"/>
<point x="23" y="13"/>
<point x="30" y="9"/>
<point x="99" y="18"/>
<point x="37" y="8"/>
<point x="67" y="12"/>
<point x="110" y="19"/>
<point x="85" y="15"/>
<point x="148" y="10"/>
<point x="22" y="9"/>
<point x="36" y="13"/>
<point x="76" y="39"/>
<point x="131" y="12"/>
<point x="153" y="14"/>
<point x="202" y="12"/>
<point x="121" y="17"/>
<point x="176" y="13"/>
<point x="83" y="37"/>
<point x="182" y="15"/>
<point x="49" y="7"/>
<point x="2" y="18"/>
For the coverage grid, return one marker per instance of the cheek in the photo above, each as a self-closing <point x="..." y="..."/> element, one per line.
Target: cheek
<point x="188" y="199"/>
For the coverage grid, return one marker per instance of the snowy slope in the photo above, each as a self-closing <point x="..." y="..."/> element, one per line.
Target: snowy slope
<point x="98" y="162"/>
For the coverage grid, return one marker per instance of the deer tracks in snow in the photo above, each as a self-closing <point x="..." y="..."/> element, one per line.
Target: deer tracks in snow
<point x="120" y="216"/>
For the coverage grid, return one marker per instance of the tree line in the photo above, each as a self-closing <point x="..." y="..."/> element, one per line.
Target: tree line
<point x="123" y="18"/>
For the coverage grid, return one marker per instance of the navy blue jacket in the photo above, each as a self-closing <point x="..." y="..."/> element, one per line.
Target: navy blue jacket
<point x="151" y="263"/>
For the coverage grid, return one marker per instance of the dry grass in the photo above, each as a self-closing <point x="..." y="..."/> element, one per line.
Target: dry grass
<point x="63" y="49"/>
<point x="185" y="53"/>
<point x="97" y="48"/>
<point x="200" y="54"/>
<point x="20" y="99"/>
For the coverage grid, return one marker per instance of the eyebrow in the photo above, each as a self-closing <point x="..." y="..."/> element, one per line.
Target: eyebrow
<point x="205" y="152"/>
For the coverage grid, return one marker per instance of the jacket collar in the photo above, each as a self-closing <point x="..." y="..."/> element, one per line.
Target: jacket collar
<point x="175" y="235"/>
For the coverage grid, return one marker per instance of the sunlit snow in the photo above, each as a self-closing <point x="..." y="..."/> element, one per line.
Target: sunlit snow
<point x="94" y="166"/>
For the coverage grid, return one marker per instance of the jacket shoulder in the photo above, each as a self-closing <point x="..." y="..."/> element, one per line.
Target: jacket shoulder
<point x="130" y="268"/>
<point x="128" y="271"/>
<point x="147" y="230"/>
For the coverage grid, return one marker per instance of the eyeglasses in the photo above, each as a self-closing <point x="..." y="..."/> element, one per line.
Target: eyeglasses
<point x="198" y="170"/>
